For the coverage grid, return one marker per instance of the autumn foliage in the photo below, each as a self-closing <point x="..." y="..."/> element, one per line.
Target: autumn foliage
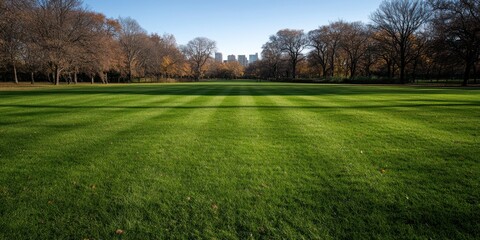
<point x="62" y="41"/>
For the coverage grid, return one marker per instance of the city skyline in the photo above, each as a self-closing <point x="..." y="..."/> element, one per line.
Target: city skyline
<point x="188" y="19"/>
<point x="218" y="57"/>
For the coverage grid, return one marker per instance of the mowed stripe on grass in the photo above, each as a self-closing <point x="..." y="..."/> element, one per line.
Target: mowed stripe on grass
<point x="239" y="160"/>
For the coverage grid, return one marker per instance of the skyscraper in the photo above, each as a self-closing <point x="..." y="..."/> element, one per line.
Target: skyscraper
<point x="253" y="58"/>
<point x="231" y="58"/>
<point x="242" y="59"/>
<point x="218" y="57"/>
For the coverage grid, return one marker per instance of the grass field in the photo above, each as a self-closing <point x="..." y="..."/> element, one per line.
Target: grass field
<point x="239" y="160"/>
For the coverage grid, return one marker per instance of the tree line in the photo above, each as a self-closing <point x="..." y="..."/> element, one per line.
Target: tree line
<point x="61" y="40"/>
<point x="406" y="40"/>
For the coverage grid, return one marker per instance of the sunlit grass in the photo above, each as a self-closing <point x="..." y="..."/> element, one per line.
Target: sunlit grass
<point x="239" y="160"/>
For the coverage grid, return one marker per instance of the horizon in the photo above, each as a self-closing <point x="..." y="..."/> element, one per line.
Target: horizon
<point x="234" y="34"/>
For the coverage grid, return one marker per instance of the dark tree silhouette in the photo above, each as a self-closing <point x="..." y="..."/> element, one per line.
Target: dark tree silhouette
<point x="198" y="51"/>
<point x="400" y="20"/>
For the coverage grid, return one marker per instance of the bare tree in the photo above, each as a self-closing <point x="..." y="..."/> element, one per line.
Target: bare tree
<point x="198" y="51"/>
<point x="334" y="36"/>
<point x="272" y="57"/>
<point x="62" y="39"/>
<point x="60" y="29"/>
<point x="457" y="29"/>
<point x="372" y="54"/>
<point x="13" y="32"/>
<point x="292" y="42"/>
<point x="101" y="53"/>
<point x="162" y="57"/>
<point x="400" y="20"/>
<point x="385" y="51"/>
<point x="326" y="42"/>
<point x="354" y="43"/>
<point x="33" y="57"/>
<point x="132" y="38"/>
<point x="320" y="44"/>
<point x="172" y="57"/>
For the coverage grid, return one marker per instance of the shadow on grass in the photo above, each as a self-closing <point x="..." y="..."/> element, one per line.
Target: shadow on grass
<point x="452" y="104"/>
<point x="217" y="89"/>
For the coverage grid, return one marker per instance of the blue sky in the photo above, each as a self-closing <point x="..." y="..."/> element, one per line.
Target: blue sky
<point x="238" y="26"/>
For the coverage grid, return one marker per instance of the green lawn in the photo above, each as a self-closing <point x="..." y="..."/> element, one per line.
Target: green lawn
<point x="239" y="160"/>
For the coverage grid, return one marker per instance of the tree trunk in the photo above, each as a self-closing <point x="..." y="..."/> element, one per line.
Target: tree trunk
<point x="32" y="77"/>
<point x="57" y="75"/>
<point x="129" y="72"/>
<point x="324" y="69"/>
<point x="294" y="69"/>
<point x="197" y="73"/>
<point x="402" y="74"/>
<point x="389" y="70"/>
<point x="106" y="78"/>
<point x="474" y="74"/>
<point x="367" y="70"/>
<point x="15" y="73"/>
<point x="402" y="64"/>
<point x="93" y="79"/>
<point x="75" y="77"/>
<point x="332" y="64"/>
<point x="466" y="74"/>
<point x="414" y="73"/>
<point x="353" y="69"/>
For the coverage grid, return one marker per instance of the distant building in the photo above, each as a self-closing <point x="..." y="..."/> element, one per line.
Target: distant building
<point x="218" y="57"/>
<point x="231" y="58"/>
<point x="242" y="59"/>
<point x="253" y="58"/>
